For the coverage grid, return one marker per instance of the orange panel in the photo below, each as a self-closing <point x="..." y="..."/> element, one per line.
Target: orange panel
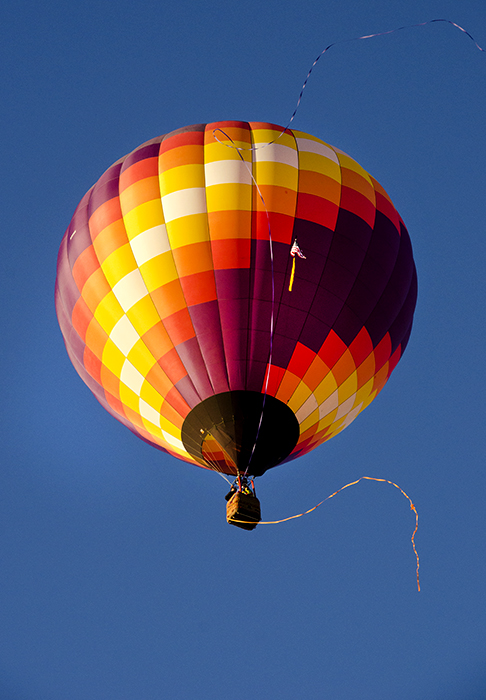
<point x="168" y="299"/>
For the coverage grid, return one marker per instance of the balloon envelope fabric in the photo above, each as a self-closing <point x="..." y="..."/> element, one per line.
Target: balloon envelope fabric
<point x="173" y="293"/>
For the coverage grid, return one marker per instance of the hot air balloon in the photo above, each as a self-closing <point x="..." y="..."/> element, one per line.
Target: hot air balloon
<point x="236" y="294"/>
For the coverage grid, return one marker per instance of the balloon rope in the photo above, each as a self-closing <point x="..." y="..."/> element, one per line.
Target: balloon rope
<point x="345" y="41"/>
<point x="371" y="36"/>
<point x="369" y="478"/>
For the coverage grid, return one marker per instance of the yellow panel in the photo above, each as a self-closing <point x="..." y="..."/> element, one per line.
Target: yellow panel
<point x="171" y="428"/>
<point x="181" y="178"/>
<point x="129" y="397"/>
<point x="269" y="173"/>
<point x="143" y="217"/>
<point x="188" y="229"/>
<point x="308" y="137"/>
<point x="310" y="421"/>
<point x="119" y="264"/>
<point x="143" y="315"/>
<point x="226" y="150"/>
<point x="141" y="358"/>
<point x="300" y="395"/>
<point x="108" y="312"/>
<point x="138" y="192"/>
<point x="263" y="136"/>
<point x="348" y="387"/>
<point x="347" y="162"/>
<point x="154" y="430"/>
<point x="159" y="271"/>
<point x="319" y="164"/>
<point x="229" y="196"/>
<point x="363" y="393"/>
<point x="327" y="420"/>
<point x="113" y="358"/>
<point x="151" y="396"/>
<point x="325" y="388"/>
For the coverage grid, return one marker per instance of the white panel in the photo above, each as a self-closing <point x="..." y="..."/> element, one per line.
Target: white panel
<point x="352" y="415"/>
<point x="173" y="441"/>
<point x="150" y="243"/>
<point x="124" y="335"/>
<point x="149" y="413"/>
<point x="191" y="200"/>
<point x="130" y="289"/>
<point x="315" y="147"/>
<point x="277" y="153"/>
<point x="131" y="377"/>
<point x="221" y="172"/>
<point x="306" y="409"/>
<point x="329" y="404"/>
<point x="345" y="407"/>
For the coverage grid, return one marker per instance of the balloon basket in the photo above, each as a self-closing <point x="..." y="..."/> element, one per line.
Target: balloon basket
<point x="243" y="510"/>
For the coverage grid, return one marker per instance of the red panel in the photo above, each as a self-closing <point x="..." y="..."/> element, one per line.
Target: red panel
<point x="358" y="204"/>
<point x="301" y="360"/>
<point x="81" y="317"/>
<point x="138" y="171"/>
<point x="332" y="349"/>
<point x="179" y="326"/>
<point x="199" y="288"/>
<point x="382" y="352"/>
<point x="361" y="347"/>
<point x="84" y="266"/>
<point x="317" y="209"/>
<point x="92" y="364"/>
<point x="231" y="253"/>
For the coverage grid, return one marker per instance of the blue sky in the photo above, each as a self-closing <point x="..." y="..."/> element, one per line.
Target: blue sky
<point x="119" y="576"/>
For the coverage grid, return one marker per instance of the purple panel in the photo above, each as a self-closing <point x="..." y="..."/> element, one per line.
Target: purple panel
<point x="192" y="360"/>
<point x="150" y="149"/>
<point x="186" y="389"/>
<point x="103" y="193"/>
<point x="354" y="229"/>
<point x="207" y="325"/>
<point x="290" y="321"/>
<point x="259" y="347"/>
<point x="233" y="290"/>
<point x="384" y="244"/>
<point x="232" y="284"/>
<point x="326" y="306"/>
<point x="314" y="240"/>
<point x="303" y="291"/>
<point x="347" y="325"/>
<point x="314" y="333"/>
<point x="262" y="269"/>
<point x="405" y="340"/>
<point x="337" y="280"/>
<point x="362" y="300"/>
<point x="75" y="347"/>
<point x="346" y="253"/>
<point x="391" y="301"/>
<point x="256" y="377"/>
<point x="67" y="293"/>
<point x="234" y="314"/>
<point x="77" y="235"/>
<point x="283" y="349"/>
<point x="402" y="325"/>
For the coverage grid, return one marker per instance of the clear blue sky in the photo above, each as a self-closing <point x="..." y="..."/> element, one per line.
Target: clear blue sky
<point x="119" y="577"/>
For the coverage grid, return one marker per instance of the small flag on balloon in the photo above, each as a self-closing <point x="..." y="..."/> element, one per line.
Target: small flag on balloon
<point x="295" y="250"/>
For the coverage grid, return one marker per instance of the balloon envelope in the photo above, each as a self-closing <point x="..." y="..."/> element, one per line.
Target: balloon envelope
<point x="173" y="293"/>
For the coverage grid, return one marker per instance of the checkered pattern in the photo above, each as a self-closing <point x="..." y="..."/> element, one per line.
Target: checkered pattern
<point x="164" y="286"/>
